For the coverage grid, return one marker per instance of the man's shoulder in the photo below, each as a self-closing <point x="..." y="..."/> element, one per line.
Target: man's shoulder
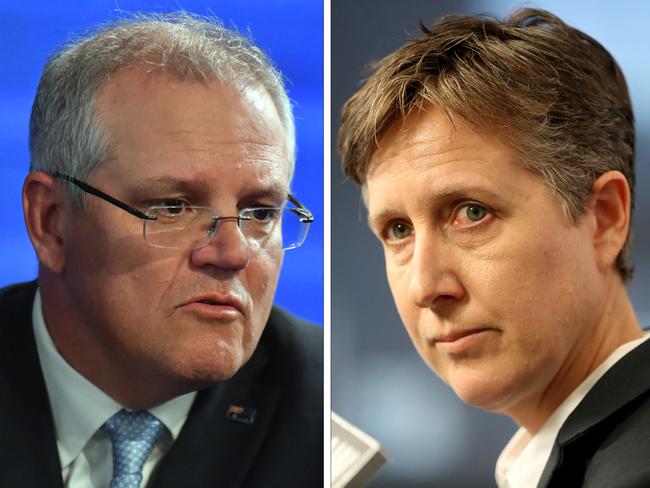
<point x="288" y="331"/>
<point x="282" y="384"/>
<point x="294" y="346"/>
<point x="17" y="291"/>
<point x="16" y="301"/>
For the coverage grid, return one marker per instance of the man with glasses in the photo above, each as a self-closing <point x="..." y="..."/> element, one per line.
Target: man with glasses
<point x="158" y="203"/>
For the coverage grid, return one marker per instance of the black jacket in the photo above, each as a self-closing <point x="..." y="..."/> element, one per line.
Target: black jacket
<point x="283" y="381"/>
<point x="605" y="442"/>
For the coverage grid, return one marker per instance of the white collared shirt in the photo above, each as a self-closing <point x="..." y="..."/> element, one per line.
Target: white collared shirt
<point x="79" y="409"/>
<point x="522" y="461"/>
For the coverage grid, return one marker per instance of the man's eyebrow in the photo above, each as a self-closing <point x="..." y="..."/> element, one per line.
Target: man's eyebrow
<point x="276" y="194"/>
<point x="166" y="183"/>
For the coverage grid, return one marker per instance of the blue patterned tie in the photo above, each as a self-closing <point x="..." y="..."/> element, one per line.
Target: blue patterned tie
<point x="133" y="435"/>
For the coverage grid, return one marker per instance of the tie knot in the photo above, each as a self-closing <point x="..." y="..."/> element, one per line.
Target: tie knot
<point x="138" y="426"/>
<point x="133" y="435"/>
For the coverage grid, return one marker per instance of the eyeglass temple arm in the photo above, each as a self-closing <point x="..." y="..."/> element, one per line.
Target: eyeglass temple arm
<point x="98" y="193"/>
<point x="308" y="218"/>
<point x="306" y="214"/>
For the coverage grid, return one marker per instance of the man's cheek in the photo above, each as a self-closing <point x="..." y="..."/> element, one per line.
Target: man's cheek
<point x="262" y="275"/>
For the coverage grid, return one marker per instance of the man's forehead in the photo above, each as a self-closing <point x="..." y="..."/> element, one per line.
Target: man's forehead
<point x="175" y="131"/>
<point x="165" y="101"/>
<point x="203" y="185"/>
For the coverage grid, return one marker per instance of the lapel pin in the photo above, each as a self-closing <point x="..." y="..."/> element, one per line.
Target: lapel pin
<point x="243" y="415"/>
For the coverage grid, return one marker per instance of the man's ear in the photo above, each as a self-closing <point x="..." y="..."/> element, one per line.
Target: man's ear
<point x="43" y="202"/>
<point x="611" y="203"/>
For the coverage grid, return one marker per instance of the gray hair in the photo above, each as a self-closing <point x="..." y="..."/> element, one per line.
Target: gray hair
<point x="64" y="134"/>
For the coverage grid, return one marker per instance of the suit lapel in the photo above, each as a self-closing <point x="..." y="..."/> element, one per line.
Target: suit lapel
<point x="628" y="379"/>
<point x="212" y="447"/>
<point x="29" y="456"/>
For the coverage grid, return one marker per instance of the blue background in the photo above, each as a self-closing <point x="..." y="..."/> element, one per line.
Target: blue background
<point x="290" y="31"/>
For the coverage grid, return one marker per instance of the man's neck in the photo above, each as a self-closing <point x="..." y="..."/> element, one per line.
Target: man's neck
<point x="139" y="390"/>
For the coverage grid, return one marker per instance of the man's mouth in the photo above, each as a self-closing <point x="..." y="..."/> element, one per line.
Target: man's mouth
<point x="215" y="306"/>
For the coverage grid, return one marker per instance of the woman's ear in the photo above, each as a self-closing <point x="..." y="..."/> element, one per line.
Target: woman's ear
<point x="611" y="201"/>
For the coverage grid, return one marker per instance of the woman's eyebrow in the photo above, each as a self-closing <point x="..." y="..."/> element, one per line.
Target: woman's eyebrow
<point x="450" y="193"/>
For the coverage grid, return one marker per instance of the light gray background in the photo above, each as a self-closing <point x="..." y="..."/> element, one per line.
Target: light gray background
<point x="378" y="381"/>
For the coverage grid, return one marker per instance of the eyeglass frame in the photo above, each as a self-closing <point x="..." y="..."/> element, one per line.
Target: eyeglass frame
<point x="305" y="214"/>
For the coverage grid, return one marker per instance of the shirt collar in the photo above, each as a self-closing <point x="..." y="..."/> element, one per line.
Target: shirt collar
<point x="522" y="461"/>
<point x="79" y="408"/>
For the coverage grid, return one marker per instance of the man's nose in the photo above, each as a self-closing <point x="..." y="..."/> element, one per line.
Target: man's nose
<point x="228" y="248"/>
<point x="433" y="274"/>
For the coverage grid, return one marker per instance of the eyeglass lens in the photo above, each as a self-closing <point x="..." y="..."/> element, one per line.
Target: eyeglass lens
<point x="186" y="227"/>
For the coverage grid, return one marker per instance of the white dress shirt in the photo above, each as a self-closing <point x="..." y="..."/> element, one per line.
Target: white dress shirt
<point x="522" y="461"/>
<point x="79" y="409"/>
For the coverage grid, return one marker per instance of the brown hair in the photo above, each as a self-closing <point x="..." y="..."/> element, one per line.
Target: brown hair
<point x="552" y="92"/>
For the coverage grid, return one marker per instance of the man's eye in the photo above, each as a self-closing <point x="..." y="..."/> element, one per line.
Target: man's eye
<point x="168" y="208"/>
<point x="471" y="213"/>
<point x="264" y="215"/>
<point x="175" y="209"/>
<point x="398" y="231"/>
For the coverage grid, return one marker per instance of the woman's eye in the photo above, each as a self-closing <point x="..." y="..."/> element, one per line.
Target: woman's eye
<point x="471" y="213"/>
<point x="398" y="231"/>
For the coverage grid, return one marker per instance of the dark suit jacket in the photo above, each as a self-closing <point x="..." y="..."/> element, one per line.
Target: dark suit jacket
<point x="605" y="443"/>
<point x="283" y="382"/>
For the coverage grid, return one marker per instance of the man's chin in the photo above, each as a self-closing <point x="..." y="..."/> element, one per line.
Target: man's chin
<point x="215" y="369"/>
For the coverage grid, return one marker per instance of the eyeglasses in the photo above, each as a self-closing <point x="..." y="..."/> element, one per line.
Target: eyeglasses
<point x="182" y="226"/>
